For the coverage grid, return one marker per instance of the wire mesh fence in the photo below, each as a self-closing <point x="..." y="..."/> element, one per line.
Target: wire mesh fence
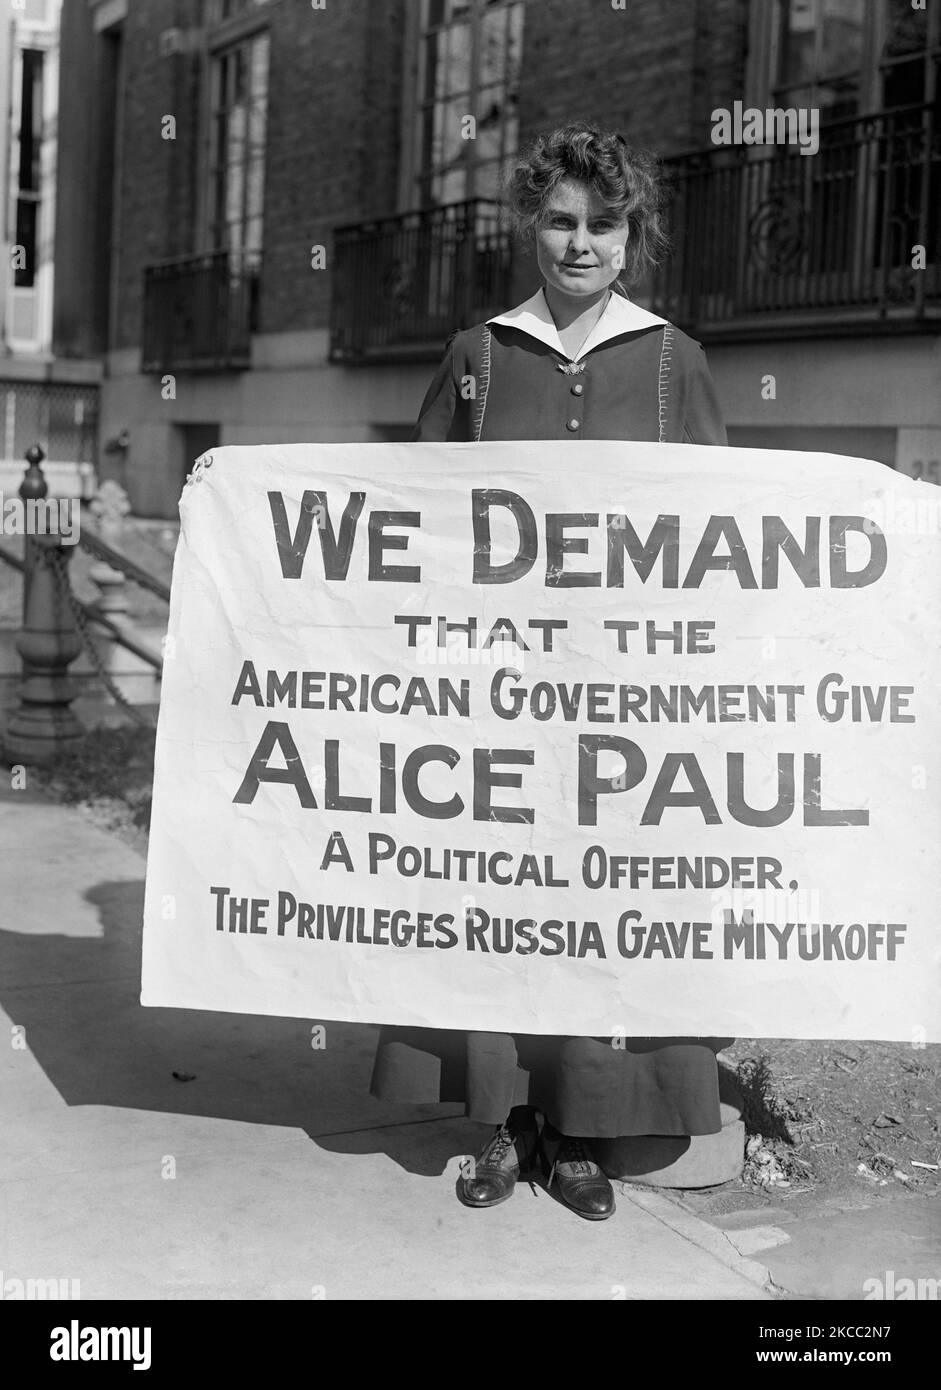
<point x="61" y="417"/>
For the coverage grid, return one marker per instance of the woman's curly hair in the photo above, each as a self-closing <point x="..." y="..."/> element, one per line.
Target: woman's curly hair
<point x="627" y="181"/>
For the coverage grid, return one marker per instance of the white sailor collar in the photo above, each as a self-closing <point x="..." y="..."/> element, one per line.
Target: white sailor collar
<point x="620" y="315"/>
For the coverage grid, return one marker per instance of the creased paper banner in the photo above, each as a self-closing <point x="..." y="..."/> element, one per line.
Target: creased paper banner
<point x="579" y="738"/>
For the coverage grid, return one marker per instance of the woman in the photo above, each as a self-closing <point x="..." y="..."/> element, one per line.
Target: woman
<point x="577" y="360"/>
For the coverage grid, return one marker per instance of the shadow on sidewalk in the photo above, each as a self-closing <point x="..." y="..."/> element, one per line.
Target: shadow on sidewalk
<point x="78" y="998"/>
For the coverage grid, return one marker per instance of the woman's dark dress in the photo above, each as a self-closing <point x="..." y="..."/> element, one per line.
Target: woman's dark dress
<point x="647" y="382"/>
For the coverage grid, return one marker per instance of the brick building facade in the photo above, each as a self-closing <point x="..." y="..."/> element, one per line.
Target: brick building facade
<point x="42" y="398"/>
<point x="190" y="267"/>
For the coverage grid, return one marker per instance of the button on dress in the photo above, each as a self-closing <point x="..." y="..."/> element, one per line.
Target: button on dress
<point x="636" y="377"/>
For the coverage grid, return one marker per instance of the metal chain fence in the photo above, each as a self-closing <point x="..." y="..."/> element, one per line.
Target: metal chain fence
<point x="58" y="563"/>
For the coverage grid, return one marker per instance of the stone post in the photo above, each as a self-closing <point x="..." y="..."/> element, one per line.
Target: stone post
<point x="110" y="506"/>
<point x="45" y="724"/>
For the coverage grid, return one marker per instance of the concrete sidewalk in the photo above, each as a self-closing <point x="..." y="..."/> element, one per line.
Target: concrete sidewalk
<point x="158" y="1153"/>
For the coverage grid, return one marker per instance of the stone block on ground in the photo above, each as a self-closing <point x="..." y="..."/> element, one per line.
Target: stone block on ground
<point x="682" y="1161"/>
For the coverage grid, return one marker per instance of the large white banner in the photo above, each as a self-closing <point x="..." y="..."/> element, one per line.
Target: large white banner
<point x="578" y="738"/>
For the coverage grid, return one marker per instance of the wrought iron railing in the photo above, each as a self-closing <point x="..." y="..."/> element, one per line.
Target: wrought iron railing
<point x="200" y="312"/>
<point x="402" y="284"/>
<point x="765" y="230"/>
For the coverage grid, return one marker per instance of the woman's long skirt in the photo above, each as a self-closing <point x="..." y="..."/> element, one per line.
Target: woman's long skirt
<point x="592" y="1088"/>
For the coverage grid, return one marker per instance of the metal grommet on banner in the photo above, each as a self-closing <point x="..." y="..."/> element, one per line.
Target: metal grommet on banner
<point x="199" y="468"/>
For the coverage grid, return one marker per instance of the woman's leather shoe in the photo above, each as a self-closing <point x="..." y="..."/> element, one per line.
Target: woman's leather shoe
<point x="510" y="1149"/>
<point x="582" y="1185"/>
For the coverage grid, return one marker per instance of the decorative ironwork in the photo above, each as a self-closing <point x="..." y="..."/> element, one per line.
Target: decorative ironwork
<point x="402" y="284"/>
<point x="777" y="233"/>
<point x="200" y="312"/>
<point x="762" y="230"/>
<point x="398" y="288"/>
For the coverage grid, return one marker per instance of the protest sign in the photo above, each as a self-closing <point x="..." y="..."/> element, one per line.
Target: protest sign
<point x="580" y="738"/>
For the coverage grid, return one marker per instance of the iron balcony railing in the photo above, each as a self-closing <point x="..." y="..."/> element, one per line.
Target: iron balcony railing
<point x="200" y="312"/>
<point x="765" y="233"/>
<point x="402" y="284"/>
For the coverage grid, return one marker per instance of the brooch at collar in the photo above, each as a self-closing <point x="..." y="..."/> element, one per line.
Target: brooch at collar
<point x="571" y="368"/>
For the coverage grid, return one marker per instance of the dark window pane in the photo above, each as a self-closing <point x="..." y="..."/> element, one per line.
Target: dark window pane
<point x="903" y="84"/>
<point x="906" y="29"/>
<point x="31" y="120"/>
<point x="27" y="211"/>
<point x="432" y="75"/>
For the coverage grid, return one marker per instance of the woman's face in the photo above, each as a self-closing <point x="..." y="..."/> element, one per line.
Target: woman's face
<point x="579" y="245"/>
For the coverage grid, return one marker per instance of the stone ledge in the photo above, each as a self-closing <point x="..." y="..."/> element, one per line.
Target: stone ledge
<point x="699" y="1160"/>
